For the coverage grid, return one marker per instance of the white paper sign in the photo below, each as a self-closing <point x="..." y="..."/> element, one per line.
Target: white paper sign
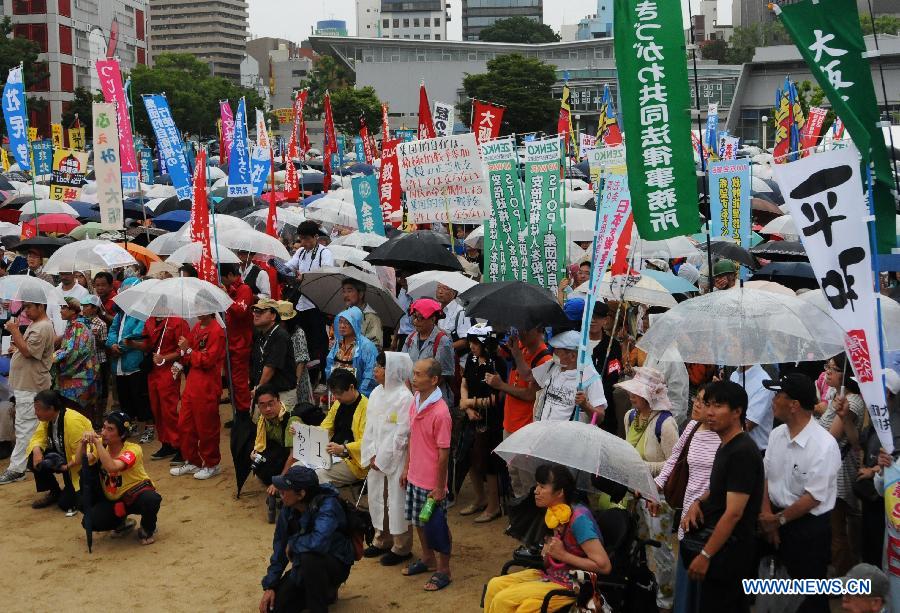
<point x="825" y="197"/>
<point x="309" y="446"/>
<point x="444" y="180"/>
<point x="107" y="165"/>
<point x="443" y="118"/>
<point x="113" y="255"/>
<point x="586" y="142"/>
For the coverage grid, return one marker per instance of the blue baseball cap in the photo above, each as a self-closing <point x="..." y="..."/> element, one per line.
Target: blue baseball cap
<point x="296" y="478"/>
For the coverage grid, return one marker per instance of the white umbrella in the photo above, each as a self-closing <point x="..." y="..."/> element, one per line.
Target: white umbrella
<point x="584" y="448"/>
<point x="424" y="284"/>
<point x="184" y="297"/>
<point x="890" y="316"/>
<point x="741" y="327"/>
<point x="88" y="255"/>
<point x="223" y="223"/>
<point x="152" y="203"/>
<point x="350" y="255"/>
<point x="667" y="249"/>
<point x="215" y="173"/>
<point x="781" y="225"/>
<point x="359" y="240"/>
<point x="166" y="244"/>
<point x="578" y="198"/>
<point x="323" y="288"/>
<point x="29" y="289"/>
<point x="46" y="206"/>
<point x="333" y="211"/>
<point x="160" y="191"/>
<point x="643" y="290"/>
<point x="10" y="229"/>
<point x="254" y="242"/>
<point x="192" y="252"/>
<point x="758" y="185"/>
<point x="283" y="217"/>
<point x="580" y="224"/>
<point x="475" y="238"/>
<point x="771" y="286"/>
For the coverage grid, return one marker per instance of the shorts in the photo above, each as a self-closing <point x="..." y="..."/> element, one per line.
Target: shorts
<point x="415" y="500"/>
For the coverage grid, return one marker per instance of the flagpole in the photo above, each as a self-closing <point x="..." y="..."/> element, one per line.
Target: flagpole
<point x="873" y="242"/>
<point x="37" y="225"/>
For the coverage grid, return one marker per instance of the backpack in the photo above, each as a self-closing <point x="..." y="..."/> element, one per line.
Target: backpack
<point x="357" y="527"/>
<point x="663" y="416"/>
<point x="434" y="348"/>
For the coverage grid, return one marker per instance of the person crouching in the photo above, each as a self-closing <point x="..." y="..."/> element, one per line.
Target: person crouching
<point x="271" y="453"/>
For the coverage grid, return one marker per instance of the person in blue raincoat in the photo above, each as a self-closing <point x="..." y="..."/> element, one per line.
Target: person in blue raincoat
<point x="125" y="341"/>
<point x="352" y="350"/>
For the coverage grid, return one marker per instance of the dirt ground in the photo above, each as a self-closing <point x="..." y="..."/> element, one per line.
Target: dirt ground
<point x="210" y="554"/>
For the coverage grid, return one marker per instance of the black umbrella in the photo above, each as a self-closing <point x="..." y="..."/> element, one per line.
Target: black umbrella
<point x="781" y="251"/>
<point x="731" y="251"/>
<point x="172" y="203"/>
<point x="243" y="434"/>
<point x="17" y="175"/>
<point x="795" y="275"/>
<point x="514" y="304"/>
<point x="89" y="479"/>
<point x="416" y="252"/>
<point x="142" y="236"/>
<point x="235" y="203"/>
<point x="163" y="180"/>
<point x="46" y="244"/>
<point x="5" y="184"/>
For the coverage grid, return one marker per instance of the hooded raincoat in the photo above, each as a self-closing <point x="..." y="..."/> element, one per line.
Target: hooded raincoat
<point x="364" y="353"/>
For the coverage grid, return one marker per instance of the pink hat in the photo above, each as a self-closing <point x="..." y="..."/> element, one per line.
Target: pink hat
<point x="426" y="307"/>
<point x="649" y="384"/>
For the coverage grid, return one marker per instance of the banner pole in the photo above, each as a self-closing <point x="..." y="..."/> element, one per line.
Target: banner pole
<point x="870" y="197"/>
<point x="140" y="185"/>
<point x="37" y="224"/>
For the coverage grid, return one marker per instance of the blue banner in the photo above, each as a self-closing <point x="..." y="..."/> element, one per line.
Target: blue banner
<point x="239" y="176"/>
<point x="190" y="155"/>
<point x="43" y="156"/>
<point x="359" y="149"/>
<point x="162" y="163"/>
<point x="729" y="200"/>
<point x="16" y="120"/>
<point x="145" y="162"/>
<point x="366" y="199"/>
<point x="260" y="165"/>
<point x="712" y="129"/>
<point x="168" y="140"/>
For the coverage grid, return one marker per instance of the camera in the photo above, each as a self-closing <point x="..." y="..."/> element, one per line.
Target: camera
<point x="256" y="461"/>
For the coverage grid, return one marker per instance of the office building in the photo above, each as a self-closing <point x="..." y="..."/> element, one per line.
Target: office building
<point x="214" y="31"/>
<point x="598" y="25"/>
<point x="416" y="19"/>
<point x="480" y="14"/>
<point x="331" y="27"/>
<point x="368" y="18"/>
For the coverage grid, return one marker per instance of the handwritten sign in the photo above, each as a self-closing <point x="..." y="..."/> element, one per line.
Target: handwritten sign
<point x="309" y="446"/>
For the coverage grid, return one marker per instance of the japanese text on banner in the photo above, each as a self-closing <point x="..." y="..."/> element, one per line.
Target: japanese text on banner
<point x="113" y="92"/>
<point x="729" y="193"/>
<point x="106" y="165"/>
<point x="389" y="180"/>
<point x="67" y="176"/>
<point x="546" y="233"/>
<point x="169" y="143"/>
<point x="16" y="121"/>
<point x="239" y="177"/>
<point x="368" y="208"/>
<point x="505" y="244"/>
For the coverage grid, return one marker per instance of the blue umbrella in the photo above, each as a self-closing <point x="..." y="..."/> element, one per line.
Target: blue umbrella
<point x="359" y="167"/>
<point x="172" y="220"/>
<point x="672" y="283"/>
<point x="310" y="199"/>
<point x="85" y="209"/>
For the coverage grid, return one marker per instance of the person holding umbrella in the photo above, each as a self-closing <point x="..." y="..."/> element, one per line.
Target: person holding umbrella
<point x="164" y="384"/>
<point x="239" y="322"/>
<point x="354" y="293"/>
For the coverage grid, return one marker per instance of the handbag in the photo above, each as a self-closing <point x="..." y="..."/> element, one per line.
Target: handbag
<point x="677" y="482"/>
<point x="692" y="542"/>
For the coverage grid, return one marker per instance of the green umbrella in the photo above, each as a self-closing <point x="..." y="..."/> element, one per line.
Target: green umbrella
<point x="91" y="229"/>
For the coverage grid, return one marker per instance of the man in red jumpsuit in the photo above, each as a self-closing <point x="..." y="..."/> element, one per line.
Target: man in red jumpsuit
<point x="198" y="420"/>
<point x="239" y="321"/>
<point x="165" y="387"/>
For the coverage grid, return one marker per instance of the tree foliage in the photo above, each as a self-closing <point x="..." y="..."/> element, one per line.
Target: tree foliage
<point x="519" y="30"/>
<point x="523" y="85"/>
<point x="745" y="39"/>
<point x="328" y="74"/>
<point x="884" y="24"/>
<point x="193" y="94"/>
<point x="714" y="49"/>
<point x="15" y="51"/>
<point x="348" y="104"/>
<point x="81" y="107"/>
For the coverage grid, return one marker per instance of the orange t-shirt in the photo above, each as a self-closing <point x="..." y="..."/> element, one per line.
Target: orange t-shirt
<point x="519" y="413"/>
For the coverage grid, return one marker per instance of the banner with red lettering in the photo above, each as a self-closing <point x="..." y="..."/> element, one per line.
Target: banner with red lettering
<point x="385" y="126"/>
<point x="486" y="119"/>
<point x="227" y="129"/>
<point x="111" y="86"/>
<point x="426" y="124"/>
<point x="200" y="222"/>
<point x="330" y="143"/>
<point x="809" y="137"/>
<point x="389" y="179"/>
<point x="367" y="143"/>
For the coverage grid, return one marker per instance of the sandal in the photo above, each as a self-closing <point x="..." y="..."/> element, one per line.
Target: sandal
<point x="145" y="537"/>
<point x="417" y="568"/>
<point x="122" y="529"/>
<point x="472" y="509"/>
<point x="437" y="582"/>
<point x="483" y="518"/>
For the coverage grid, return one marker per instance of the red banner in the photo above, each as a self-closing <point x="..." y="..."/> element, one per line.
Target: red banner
<point x="426" y="124"/>
<point x="330" y="143"/>
<point x="812" y="128"/>
<point x="486" y="120"/>
<point x="620" y="263"/>
<point x="200" y="222"/>
<point x="367" y="143"/>
<point x="111" y="85"/>
<point x="389" y="179"/>
<point x="385" y="125"/>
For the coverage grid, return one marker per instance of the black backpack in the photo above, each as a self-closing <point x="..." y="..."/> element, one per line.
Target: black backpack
<point x="358" y="526"/>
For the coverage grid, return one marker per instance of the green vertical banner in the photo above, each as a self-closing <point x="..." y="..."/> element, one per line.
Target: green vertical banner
<point x="649" y="44"/>
<point x="505" y="246"/>
<point x="830" y="39"/>
<point x="546" y="233"/>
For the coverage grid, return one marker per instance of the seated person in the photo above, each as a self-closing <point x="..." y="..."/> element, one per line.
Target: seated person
<point x="345" y="423"/>
<point x="576" y="544"/>
<point x="271" y="453"/>
<point x="52" y="450"/>
<point x="127" y="488"/>
<point x="310" y="535"/>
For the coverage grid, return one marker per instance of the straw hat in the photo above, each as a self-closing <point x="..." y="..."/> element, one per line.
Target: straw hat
<point x="649" y="384"/>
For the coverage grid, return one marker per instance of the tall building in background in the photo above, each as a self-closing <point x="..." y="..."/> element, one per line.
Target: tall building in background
<point x="72" y="35"/>
<point x="480" y="14"/>
<point x="214" y="32"/>
<point x="414" y="19"/>
<point x="599" y="25"/>
<point x="368" y="18"/>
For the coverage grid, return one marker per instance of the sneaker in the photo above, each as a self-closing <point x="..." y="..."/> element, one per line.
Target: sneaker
<point x="207" y="472"/>
<point x="46" y="500"/>
<point x="71" y="512"/>
<point x="164" y="452"/>
<point x="185" y="469"/>
<point x="374" y="552"/>
<point x="133" y="431"/>
<point x="124" y="528"/>
<point x="148" y="435"/>
<point x="392" y="559"/>
<point x="10" y="476"/>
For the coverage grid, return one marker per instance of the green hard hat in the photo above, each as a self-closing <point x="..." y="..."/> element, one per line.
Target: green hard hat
<point x="724" y="267"/>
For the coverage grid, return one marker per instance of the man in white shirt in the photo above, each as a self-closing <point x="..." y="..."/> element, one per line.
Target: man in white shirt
<point x="802" y="461"/>
<point x="455" y="324"/>
<point x="70" y="288"/>
<point x="560" y="398"/>
<point x="255" y="277"/>
<point x="758" y="421"/>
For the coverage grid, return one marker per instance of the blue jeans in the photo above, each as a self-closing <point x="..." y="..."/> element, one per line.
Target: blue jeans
<point x="687" y="592"/>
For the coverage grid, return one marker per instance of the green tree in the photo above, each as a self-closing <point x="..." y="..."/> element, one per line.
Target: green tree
<point x="519" y="30"/>
<point x="714" y="49"/>
<point x="193" y="94"/>
<point x="81" y="107"/>
<point x="348" y="104"/>
<point x="744" y="41"/>
<point x="15" y="51"/>
<point x="523" y="85"/>
<point x="328" y="74"/>
<point x="884" y="24"/>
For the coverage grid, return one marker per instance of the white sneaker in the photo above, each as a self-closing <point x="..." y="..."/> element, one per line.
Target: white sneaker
<point x="207" y="472"/>
<point x="184" y="469"/>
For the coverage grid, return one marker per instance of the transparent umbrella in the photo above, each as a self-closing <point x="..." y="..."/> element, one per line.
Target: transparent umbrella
<point x="253" y="241"/>
<point x="191" y="253"/>
<point x="329" y="210"/>
<point x="88" y="255"/>
<point x="424" y="284"/>
<point x="669" y="249"/>
<point x="29" y="289"/>
<point x="741" y="327"/>
<point x="166" y="244"/>
<point x="783" y="225"/>
<point x="184" y="297"/>
<point x="643" y="290"/>
<point x="586" y="449"/>
<point x="223" y="223"/>
<point x="350" y="255"/>
<point x="283" y="217"/>
<point x="359" y="240"/>
<point x="45" y="205"/>
<point x="890" y="316"/>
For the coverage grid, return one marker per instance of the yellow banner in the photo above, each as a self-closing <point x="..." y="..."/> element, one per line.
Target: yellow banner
<point x="69" y="167"/>
<point x="4" y="159"/>
<point x="284" y="116"/>
<point x="76" y="138"/>
<point x="32" y="134"/>
<point x="56" y="134"/>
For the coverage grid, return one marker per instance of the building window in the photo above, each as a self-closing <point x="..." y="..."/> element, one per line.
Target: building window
<point x="65" y="8"/>
<point x="36" y="32"/>
<point x="141" y="56"/>
<point x="385" y="23"/>
<point x="65" y="40"/>
<point x="406" y="23"/>
<point x="426" y="36"/>
<point x="406" y="36"/>
<point x="437" y="37"/>
<point x="437" y="22"/>
<point x="44" y="84"/>
<point x="416" y="36"/>
<point x="139" y="24"/>
<point x="66" y="78"/>
<point x="29" y="7"/>
<point x="426" y="21"/>
<point x="415" y="22"/>
<point x="396" y="23"/>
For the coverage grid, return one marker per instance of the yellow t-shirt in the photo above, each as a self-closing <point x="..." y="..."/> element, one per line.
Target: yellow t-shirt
<point x="116" y="484"/>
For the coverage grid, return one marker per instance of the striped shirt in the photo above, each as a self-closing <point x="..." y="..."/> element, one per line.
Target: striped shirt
<point x="700" y="457"/>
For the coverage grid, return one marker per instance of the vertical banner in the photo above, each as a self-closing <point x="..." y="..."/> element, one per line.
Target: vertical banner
<point x="43" y="157"/>
<point x="168" y="140"/>
<point x="368" y="152"/>
<point x="608" y="126"/>
<point x="649" y="46"/>
<point x="67" y="176"/>
<point x="782" y="146"/>
<point x="443" y="119"/>
<point x="16" y="121"/>
<point x="227" y="119"/>
<point x="385" y="125"/>
<point x="107" y="166"/>
<point x="809" y="138"/>
<point x="32" y="134"/>
<point x="426" y="125"/>
<point x="389" y="179"/>
<point x="712" y="129"/>
<point x="330" y="147"/>
<point x="56" y="135"/>
<point x="564" y="125"/>
<point x="444" y="180"/>
<point x="4" y="159"/>
<point x="239" y="181"/>
<point x="729" y="198"/>
<point x="586" y="142"/>
<point x="603" y="161"/>
<point x="260" y="166"/>
<point x="76" y="138"/>
<point x="546" y="233"/>
<point x="113" y="92"/>
<point x="824" y="195"/>
<point x="729" y="148"/>
<point x="486" y="120"/>
<point x="359" y="150"/>
<point x="262" y="133"/>
<point x="145" y="161"/>
<point x="368" y="207"/>
<point x="199" y="227"/>
<point x="505" y="244"/>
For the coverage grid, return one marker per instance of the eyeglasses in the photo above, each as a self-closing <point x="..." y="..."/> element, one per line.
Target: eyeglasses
<point x="416" y="315"/>
<point x="259" y="311"/>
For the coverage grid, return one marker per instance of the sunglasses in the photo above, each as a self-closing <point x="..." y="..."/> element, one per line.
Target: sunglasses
<point x="259" y="311"/>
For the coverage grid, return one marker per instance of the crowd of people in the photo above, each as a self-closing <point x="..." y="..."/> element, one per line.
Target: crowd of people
<point x="767" y="463"/>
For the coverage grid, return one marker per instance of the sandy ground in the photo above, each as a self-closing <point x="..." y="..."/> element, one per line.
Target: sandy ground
<point x="210" y="554"/>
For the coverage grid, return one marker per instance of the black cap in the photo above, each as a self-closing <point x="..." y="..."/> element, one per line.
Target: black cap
<point x="797" y="386"/>
<point x="296" y="478"/>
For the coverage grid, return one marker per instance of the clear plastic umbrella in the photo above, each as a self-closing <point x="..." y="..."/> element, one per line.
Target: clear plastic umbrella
<point x="29" y="289"/>
<point x="191" y="253"/>
<point x="741" y="327"/>
<point x="475" y="238"/>
<point x="283" y="217"/>
<point x="580" y="224"/>
<point x="46" y="206"/>
<point x="668" y="249"/>
<point x="253" y="241"/>
<point x="586" y="449"/>
<point x="890" y="316"/>
<point x="359" y="240"/>
<point x="166" y="244"/>
<point x="643" y="290"/>
<point x="88" y="255"/>
<point x="781" y="225"/>
<point x="185" y="297"/>
<point x="350" y="255"/>
<point x="424" y="284"/>
<point x="223" y="223"/>
<point x="330" y="210"/>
